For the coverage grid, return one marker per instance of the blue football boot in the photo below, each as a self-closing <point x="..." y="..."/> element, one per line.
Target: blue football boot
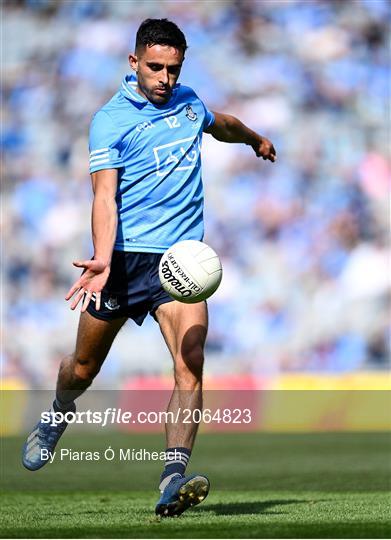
<point x="40" y="442"/>
<point x="181" y="493"/>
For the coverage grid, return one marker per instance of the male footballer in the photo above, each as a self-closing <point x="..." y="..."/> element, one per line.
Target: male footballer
<point x="145" y="167"/>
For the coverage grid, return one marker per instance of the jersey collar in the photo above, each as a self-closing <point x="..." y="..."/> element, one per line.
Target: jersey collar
<point x="128" y="90"/>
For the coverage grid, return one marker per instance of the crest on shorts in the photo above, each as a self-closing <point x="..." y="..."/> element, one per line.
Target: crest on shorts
<point x="190" y="114"/>
<point x="112" y="304"/>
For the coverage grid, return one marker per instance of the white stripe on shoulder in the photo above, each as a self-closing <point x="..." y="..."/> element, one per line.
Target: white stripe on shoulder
<point x="99" y="151"/>
<point x="101" y="156"/>
<point x="99" y="162"/>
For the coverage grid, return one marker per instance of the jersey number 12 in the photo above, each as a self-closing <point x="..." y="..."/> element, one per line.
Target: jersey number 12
<point x="172" y="122"/>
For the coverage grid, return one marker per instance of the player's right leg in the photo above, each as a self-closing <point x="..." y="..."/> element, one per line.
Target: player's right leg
<point x="184" y="327"/>
<point x="76" y="373"/>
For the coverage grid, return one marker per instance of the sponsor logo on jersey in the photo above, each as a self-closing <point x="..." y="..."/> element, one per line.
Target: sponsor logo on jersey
<point x="177" y="155"/>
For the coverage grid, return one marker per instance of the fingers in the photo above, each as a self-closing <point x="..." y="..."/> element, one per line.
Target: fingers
<point x="88" y="295"/>
<point x="89" y="281"/>
<point x="72" y="290"/>
<point x="97" y="300"/>
<point x="78" y="297"/>
<point x="82" y="264"/>
<point x="266" y="152"/>
<point x="87" y="299"/>
<point x="270" y="153"/>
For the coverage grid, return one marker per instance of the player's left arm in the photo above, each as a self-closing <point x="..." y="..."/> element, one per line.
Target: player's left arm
<point x="227" y="128"/>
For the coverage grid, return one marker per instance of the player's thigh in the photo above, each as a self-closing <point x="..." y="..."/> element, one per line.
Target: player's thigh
<point x="95" y="337"/>
<point x="184" y="327"/>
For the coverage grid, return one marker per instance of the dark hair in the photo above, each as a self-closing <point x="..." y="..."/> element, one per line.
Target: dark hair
<point x="160" y="32"/>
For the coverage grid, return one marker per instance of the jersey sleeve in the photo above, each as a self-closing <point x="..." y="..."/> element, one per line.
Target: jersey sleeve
<point x="104" y="143"/>
<point x="209" y="119"/>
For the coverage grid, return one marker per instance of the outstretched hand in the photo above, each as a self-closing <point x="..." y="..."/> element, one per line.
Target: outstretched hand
<point x="265" y="149"/>
<point x="92" y="280"/>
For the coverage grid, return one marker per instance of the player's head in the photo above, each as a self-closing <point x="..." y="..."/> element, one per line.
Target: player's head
<point x="159" y="54"/>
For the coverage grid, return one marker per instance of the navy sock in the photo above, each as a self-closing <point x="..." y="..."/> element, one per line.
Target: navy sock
<point x="59" y="406"/>
<point x="176" y="462"/>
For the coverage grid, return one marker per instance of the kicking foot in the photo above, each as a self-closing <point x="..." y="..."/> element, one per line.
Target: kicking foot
<point x="182" y="493"/>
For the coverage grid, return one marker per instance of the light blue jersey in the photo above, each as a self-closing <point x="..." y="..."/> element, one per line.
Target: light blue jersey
<point x="156" y="150"/>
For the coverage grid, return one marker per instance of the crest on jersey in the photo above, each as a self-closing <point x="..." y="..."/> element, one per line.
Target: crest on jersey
<point x="190" y="114"/>
<point x="112" y="304"/>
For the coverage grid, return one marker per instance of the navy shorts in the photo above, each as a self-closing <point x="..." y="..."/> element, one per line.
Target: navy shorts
<point x="133" y="289"/>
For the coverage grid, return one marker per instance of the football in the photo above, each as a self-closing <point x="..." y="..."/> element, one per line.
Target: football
<point x="190" y="271"/>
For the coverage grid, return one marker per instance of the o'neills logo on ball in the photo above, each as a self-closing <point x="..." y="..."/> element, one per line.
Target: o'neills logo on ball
<point x="185" y="290"/>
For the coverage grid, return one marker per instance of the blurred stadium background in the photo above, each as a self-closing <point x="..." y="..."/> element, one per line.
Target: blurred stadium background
<point x="304" y="242"/>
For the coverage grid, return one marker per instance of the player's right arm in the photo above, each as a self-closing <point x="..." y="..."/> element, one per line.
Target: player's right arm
<point x="104" y="229"/>
<point x="105" y="160"/>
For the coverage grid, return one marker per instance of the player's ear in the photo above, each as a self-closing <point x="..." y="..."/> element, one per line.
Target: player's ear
<point x="133" y="62"/>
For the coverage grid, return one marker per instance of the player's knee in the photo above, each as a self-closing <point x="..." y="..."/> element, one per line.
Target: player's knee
<point x="86" y="370"/>
<point x="188" y="368"/>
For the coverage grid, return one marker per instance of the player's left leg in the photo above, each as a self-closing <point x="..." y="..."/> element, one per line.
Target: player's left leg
<point x="184" y="328"/>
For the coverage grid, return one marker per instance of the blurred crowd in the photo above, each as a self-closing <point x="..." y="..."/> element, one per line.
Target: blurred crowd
<point x="304" y="241"/>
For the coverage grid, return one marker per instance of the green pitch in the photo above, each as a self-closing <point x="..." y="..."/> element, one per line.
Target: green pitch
<point x="263" y="486"/>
